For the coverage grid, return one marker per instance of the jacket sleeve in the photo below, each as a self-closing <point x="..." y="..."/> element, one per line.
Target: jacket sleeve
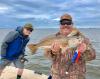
<point x="90" y="53"/>
<point x="8" y="38"/>
<point x="23" y="50"/>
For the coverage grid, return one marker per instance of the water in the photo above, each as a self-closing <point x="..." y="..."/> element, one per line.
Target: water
<point x="40" y="63"/>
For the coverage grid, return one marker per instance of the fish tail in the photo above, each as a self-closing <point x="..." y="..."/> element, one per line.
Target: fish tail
<point x="33" y="48"/>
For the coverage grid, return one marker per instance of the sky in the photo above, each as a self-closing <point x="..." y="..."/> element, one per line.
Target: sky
<point x="46" y="13"/>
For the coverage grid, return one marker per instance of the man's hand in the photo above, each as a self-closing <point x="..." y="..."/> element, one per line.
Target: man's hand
<point x="55" y="47"/>
<point x="82" y="47"/>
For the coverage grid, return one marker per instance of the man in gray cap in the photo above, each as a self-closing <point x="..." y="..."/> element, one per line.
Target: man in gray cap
<point x="13" y="48"/>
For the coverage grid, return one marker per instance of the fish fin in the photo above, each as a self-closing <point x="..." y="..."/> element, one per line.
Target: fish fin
<point x="32" y="47"/>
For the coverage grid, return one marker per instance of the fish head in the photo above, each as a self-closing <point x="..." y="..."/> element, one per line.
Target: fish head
<point x="75" y="41"/>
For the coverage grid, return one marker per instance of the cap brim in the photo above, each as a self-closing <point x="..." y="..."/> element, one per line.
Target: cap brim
<point x="28" y="28"/>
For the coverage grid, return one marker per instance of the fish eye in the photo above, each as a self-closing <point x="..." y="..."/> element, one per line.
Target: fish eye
<point x="77" y="38"/>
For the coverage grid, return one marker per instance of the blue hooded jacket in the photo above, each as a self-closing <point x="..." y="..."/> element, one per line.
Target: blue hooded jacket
<point x="14" y="44"/>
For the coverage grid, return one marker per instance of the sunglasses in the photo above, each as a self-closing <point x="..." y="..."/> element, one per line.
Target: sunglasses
<point x="65" y="22"/>
<point x="30" y="30"/>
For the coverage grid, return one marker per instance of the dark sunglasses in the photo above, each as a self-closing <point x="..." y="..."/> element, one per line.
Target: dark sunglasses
<point x="30" y="30"/>
<point x="65" y="22"/>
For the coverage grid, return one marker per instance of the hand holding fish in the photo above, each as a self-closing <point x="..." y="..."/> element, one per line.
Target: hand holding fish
<point x="55" y="47"/>
<point x="82" y="47"/>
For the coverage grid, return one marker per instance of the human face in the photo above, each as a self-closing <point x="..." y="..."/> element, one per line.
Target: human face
<point x="65" y="29"/>
<point x="26" y="31"/>
<point x="66" y="26"/>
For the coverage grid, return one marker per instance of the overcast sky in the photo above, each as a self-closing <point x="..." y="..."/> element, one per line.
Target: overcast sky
<point x="46" y="13"/>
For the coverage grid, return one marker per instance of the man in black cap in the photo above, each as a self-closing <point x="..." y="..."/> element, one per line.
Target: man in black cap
<point x="13" y="48"/>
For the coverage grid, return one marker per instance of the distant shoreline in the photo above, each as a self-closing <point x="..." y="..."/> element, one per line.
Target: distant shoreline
<point x="51" y="28"/>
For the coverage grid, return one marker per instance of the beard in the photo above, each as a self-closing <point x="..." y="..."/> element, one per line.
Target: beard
<point x="65" y="31"/>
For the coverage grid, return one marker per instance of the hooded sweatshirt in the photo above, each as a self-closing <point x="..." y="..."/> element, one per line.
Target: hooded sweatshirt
<point x="14" y="44"/>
